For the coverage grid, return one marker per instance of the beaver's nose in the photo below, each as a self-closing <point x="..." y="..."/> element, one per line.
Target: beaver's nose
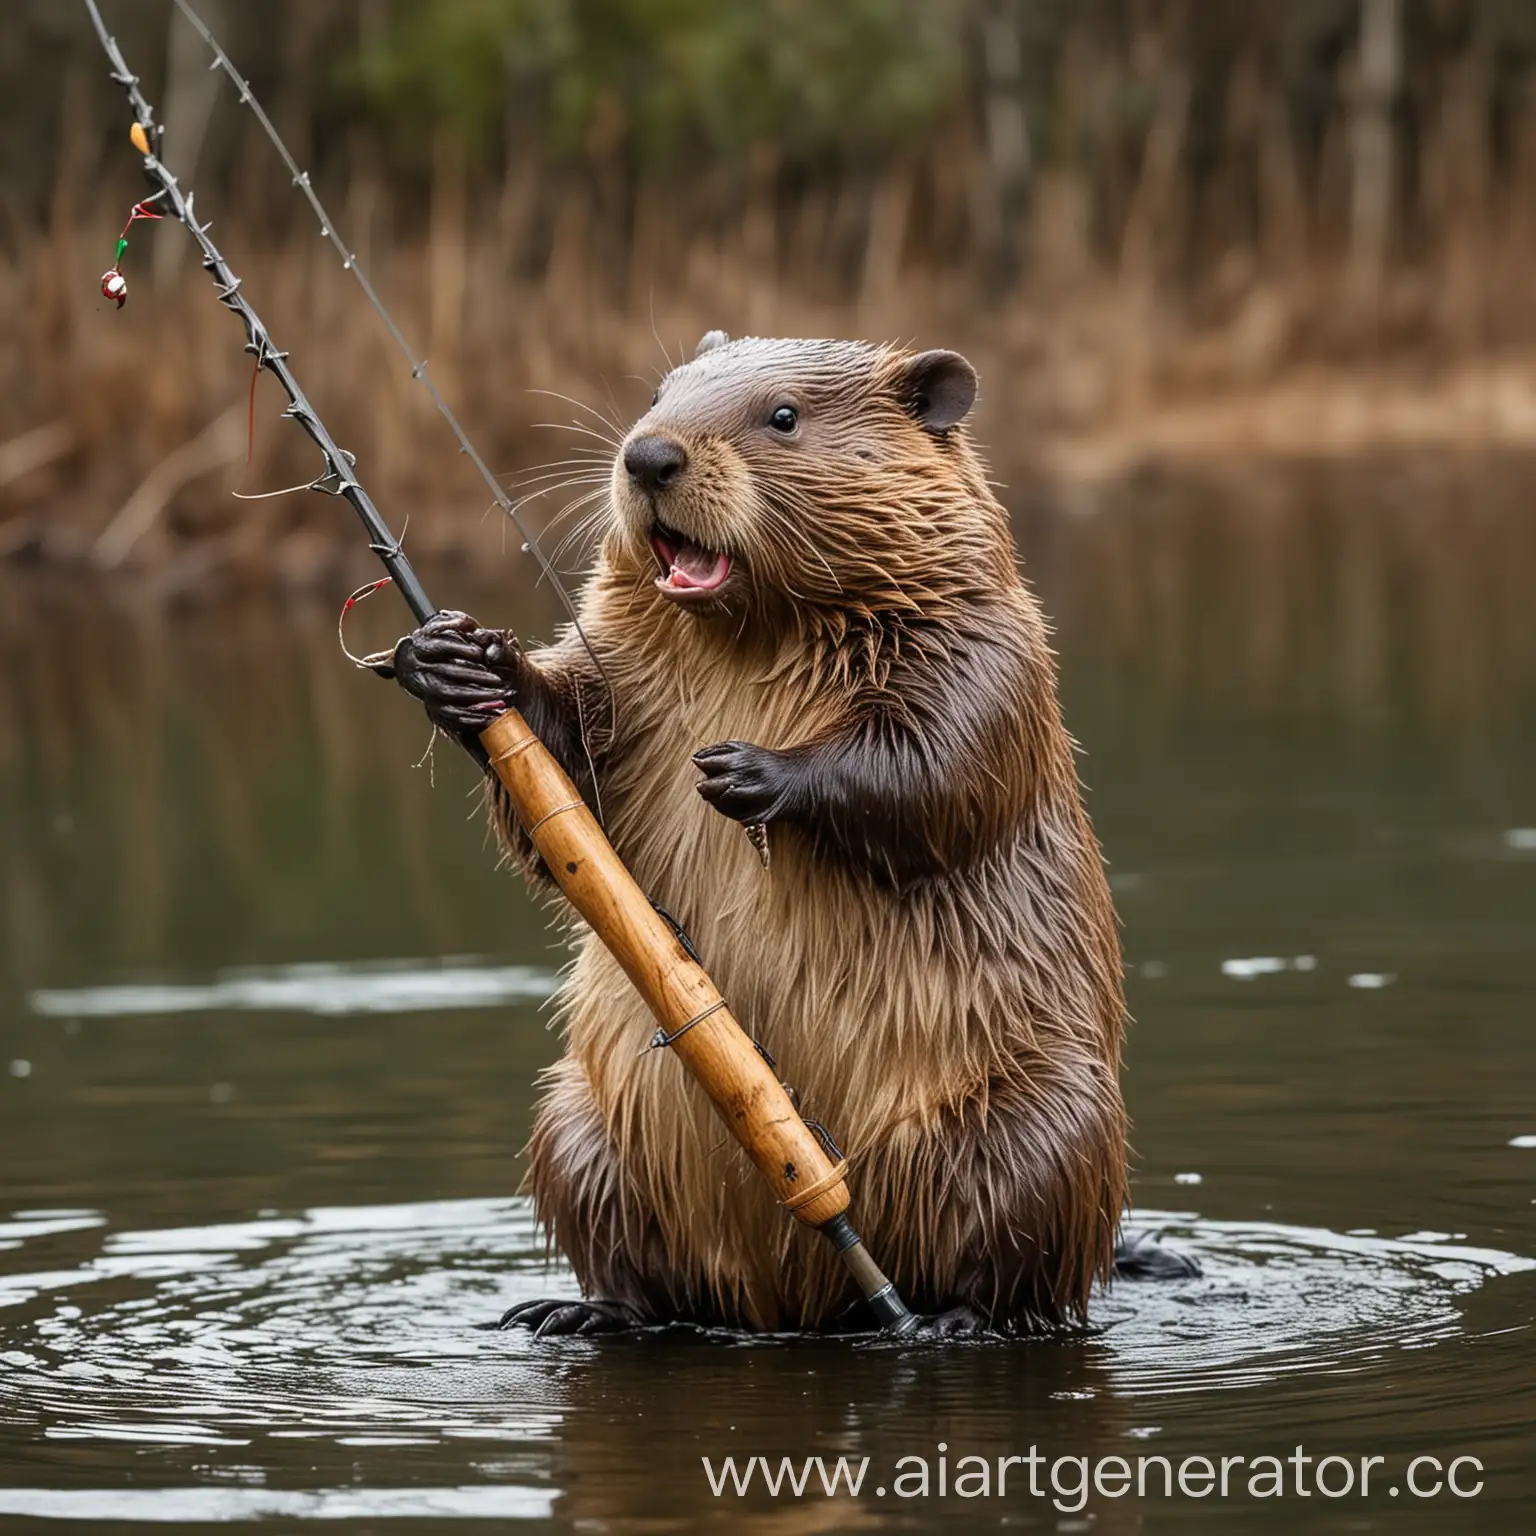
<point x="654" y="461"/>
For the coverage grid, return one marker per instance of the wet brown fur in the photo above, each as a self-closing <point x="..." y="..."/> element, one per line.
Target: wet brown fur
<point x="938" y="972"/>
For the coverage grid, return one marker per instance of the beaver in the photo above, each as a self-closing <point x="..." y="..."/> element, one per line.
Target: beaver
<point x="810" y="619"/>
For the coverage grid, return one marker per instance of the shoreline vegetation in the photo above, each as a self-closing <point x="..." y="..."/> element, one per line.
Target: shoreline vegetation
<point x="1167" y="235"/>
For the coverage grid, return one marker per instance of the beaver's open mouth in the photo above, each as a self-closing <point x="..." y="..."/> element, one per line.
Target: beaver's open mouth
<point x="688" y="569"/>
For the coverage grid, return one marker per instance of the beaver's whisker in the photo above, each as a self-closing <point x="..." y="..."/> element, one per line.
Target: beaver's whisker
<point x="656" y="335"/>
<point x="580" y="452"/>
<point x="595" y="490"/>
<point x="610" y="422"/>
<point x="616" y="412"/>
<point x="523" y="501"/>
<point x="576" y="426"/>
<point x="582" y="456"/>
<point x="580" y="528"/>
<point x="584" y="525"/>
<point x="579" y="476"/>
<point x="543" y="490"/>
<point x="585" y="473"/>
<point x="581" y="567"/>
<point x="570" y="481"/>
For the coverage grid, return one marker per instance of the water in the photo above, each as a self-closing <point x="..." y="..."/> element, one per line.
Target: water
<point x="271" y="1021"/>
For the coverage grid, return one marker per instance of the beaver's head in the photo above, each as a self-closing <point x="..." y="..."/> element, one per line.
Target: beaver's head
<point x="823" y="474"/>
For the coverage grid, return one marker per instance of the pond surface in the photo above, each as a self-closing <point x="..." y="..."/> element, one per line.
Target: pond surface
<point x="271" y="1021"/>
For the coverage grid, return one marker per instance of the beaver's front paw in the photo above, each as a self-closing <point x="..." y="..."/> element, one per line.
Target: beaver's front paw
<point x="464" y="674"/>
<point x="748" y="783"/>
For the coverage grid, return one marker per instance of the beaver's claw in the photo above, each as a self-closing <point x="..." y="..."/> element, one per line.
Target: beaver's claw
<point x="960" y="1322"/>
<point x="748" y="783"/>
<point x="589" y="1315"/>
<point x="464" y="674"/>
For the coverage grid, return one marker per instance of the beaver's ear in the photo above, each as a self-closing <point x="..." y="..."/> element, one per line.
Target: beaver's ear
<point x="709" y="341"/>
<point x="938" y="388"/>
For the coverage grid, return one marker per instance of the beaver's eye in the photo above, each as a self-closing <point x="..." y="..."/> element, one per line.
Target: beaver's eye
<point x="655" y="397"/>
<point x="784" y="418"/>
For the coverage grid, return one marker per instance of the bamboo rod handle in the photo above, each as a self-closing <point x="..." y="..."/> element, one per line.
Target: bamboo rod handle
<point x="706" y="1037"/>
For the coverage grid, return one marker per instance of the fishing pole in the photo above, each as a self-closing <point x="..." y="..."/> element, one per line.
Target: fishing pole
<point x="693" y="1019"/>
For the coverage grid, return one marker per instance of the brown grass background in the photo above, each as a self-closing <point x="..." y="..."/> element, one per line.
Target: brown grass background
<point x="1164" y="231"/>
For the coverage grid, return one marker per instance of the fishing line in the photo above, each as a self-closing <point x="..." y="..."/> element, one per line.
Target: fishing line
<point x="349" y="261"/>
<point x="376" y="659"/>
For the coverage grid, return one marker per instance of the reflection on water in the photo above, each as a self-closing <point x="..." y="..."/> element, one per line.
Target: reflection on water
<point x="378" y="987"/>
<point x="260" y="1162"/>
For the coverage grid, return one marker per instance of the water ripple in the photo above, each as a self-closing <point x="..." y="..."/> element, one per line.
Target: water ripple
<point x="1278" y="1301"/>
<point x="349" y="1320"/>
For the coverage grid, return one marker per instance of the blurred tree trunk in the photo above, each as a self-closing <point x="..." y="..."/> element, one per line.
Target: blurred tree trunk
<point x="447" y="258"/>
<point x="1378" y="78"/>
<point x="1002" y="191"/>
<point x="1150" y="234"/>
<point x="191" y="89"/>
